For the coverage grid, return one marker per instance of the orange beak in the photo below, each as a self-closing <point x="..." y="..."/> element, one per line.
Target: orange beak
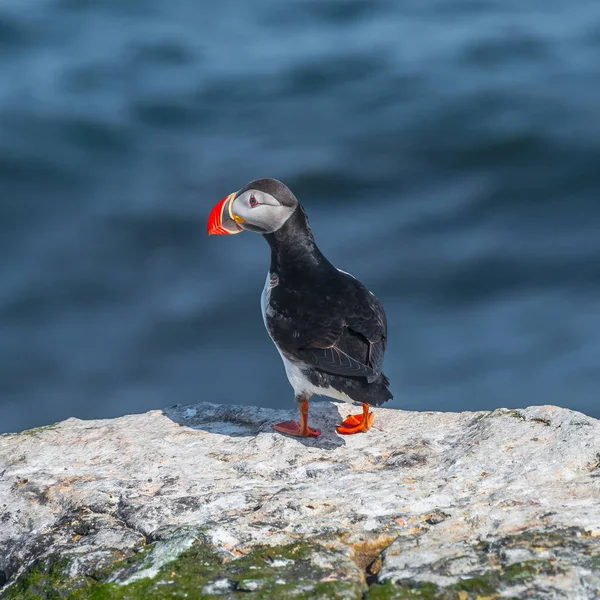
<point x="222" y="221"/>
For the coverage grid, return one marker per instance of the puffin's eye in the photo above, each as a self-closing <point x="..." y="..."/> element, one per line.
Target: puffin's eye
<point x="253" y="201"/>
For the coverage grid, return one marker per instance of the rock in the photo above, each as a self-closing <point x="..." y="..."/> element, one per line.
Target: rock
<point x="208" y="501"/>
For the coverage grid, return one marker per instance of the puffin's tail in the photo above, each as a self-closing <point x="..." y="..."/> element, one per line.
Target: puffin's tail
<point x="378" y="392"/>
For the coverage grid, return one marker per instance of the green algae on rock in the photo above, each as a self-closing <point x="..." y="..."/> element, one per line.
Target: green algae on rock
<point x="301" y="570"/>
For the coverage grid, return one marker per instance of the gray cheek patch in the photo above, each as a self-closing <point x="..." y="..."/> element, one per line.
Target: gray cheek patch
<point x="276" y="217"/>
<point x="268" y="200"/>
<point x="264" y="218"/>
<point x="254" y="228"/>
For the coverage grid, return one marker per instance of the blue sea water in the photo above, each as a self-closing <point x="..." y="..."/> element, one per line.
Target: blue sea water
<point x="447" y="153"/>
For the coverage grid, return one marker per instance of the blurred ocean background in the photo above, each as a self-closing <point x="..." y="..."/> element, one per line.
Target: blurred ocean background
<point x="447" y="153"/>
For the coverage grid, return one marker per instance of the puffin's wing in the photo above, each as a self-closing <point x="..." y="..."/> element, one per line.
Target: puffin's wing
<point x="352" y="343"/>
<point x="334" y="360"/>
<point x="371" y="323"/>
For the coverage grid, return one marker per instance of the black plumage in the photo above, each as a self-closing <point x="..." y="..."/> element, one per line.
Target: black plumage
<point x="322" y="318"/>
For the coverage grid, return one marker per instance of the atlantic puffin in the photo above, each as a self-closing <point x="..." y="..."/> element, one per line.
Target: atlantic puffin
<point x="330" y="331"/>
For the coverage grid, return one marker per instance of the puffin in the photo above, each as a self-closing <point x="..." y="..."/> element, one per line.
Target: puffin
<point x="329" y="329"/>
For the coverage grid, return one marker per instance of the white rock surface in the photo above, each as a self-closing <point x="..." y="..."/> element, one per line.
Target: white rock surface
<point x="448" y="498"/>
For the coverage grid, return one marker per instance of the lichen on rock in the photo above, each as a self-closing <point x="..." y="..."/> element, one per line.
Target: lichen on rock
<point x="208" y="501"/>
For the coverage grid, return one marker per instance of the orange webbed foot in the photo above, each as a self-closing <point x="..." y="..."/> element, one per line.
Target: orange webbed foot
<point x="295" y="429"/>
<point x="357" y="423"/>
<point x="299" y="429"/>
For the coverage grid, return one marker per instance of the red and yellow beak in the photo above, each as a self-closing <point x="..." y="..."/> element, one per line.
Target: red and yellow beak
<point x="222" y="221"/>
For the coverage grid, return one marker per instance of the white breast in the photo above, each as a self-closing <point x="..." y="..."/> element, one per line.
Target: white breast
<point x="265" y="297"/>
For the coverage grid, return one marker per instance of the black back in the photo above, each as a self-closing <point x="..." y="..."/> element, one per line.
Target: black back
<point x="319" y="315"/>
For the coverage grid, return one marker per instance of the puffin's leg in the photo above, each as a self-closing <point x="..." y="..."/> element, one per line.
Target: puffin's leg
<point x="357" y="423"/>
<point x="299" y="429"/>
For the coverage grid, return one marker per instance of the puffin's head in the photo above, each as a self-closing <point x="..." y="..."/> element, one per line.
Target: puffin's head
<point x="263" y="206"/>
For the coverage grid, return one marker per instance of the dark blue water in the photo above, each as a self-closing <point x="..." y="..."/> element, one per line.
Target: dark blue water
<point x="447" y="152"/>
